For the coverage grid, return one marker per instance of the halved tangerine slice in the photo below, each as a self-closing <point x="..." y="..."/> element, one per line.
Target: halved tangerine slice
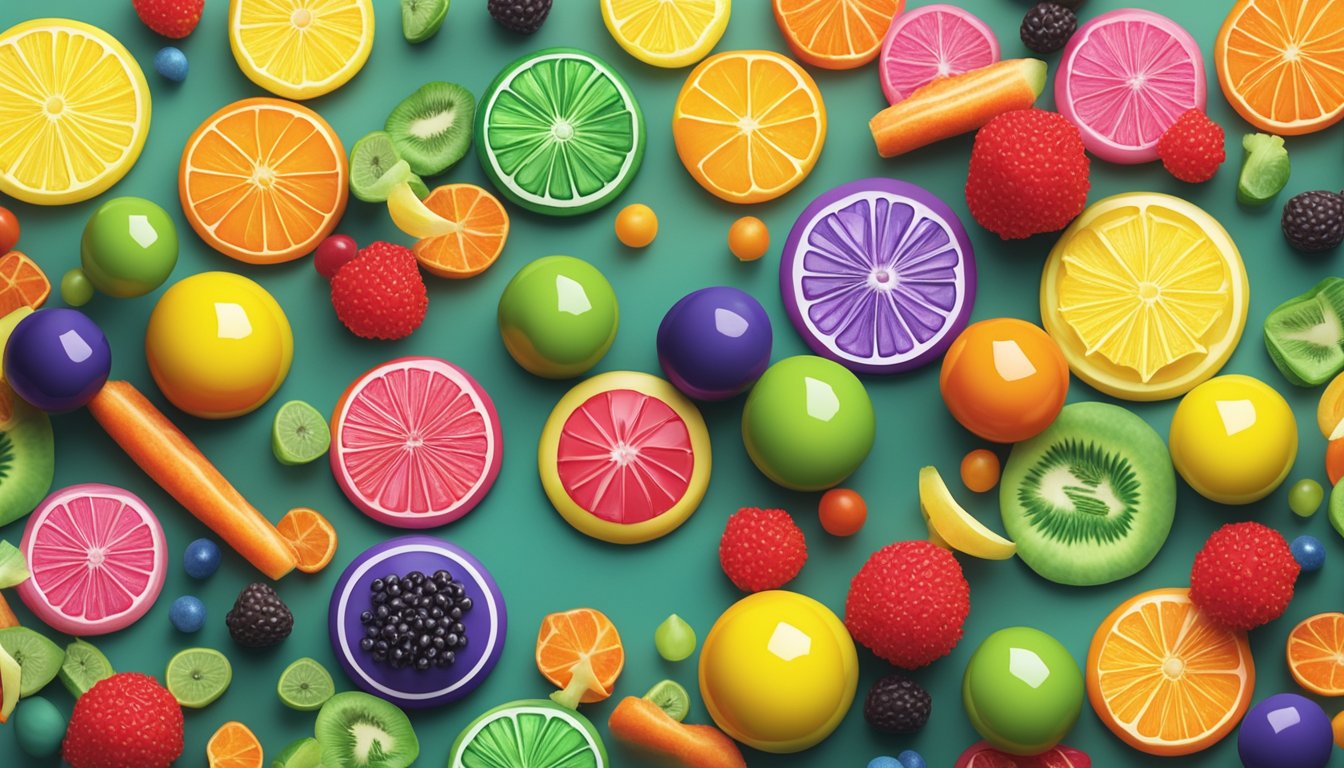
<point x="583" y="648"/>
<point x="312" y="536"/>
<point x="234" y="746"/>
<point x="474" y="228"/>
<point x="22" y="283"/>
<point x="1316" y="654"/>
<point x="624" y="457"/>
<point x="416" y="442"/>
<point x="1164" y="678"/>
<point x="835" y="34"/>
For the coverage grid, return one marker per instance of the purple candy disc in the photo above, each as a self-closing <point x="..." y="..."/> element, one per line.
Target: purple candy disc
<point x="486" y="622"/>
<point x="878" y="275"/>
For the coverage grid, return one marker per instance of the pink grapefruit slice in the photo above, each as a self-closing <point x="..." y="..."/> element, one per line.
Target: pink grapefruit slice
<point x="624" y="457"/>
<point x="98" y="559"/>
<point x="931" y="42"/>
<point x="1124" y="78"/>
<point x="416" y="442"/>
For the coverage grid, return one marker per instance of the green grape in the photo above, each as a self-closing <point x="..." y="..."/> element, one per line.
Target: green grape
<point x="76" y="290"/>
<point x="674" y="638"/>
<point x="1305" y="497"/>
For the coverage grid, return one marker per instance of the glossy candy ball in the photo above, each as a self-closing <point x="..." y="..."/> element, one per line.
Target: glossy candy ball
<point x="1022" y="691"/>
<point x="218" y="345"/>
<point x="558" y="317"/>
<point x="39" y="727"/>
<point x="57" y="359"/>
<point x="980" y="470"/>
<point x="1004" y="379"/>
<point x="9" y="230"/>
<point x="748" y="238"/>
<point x="1285" y="731"/>
<point x="1309" y="552"/>
<point x="636" y="225"/>
<point x="842" y="512"/>
<point x="1305" y="497"/>
<point x="911" y="759"/>
<point x="1233" y="438"/>
<point x="171" y="64"/>
<point x="129" y="247"/>
<point x="715" y="343"/>
<point x="808" y="423"/>
<point x="201" y="559"/>
<point x="187" y="614"/>
<point x="333" y="253"/>
<point x="76" y="290"/>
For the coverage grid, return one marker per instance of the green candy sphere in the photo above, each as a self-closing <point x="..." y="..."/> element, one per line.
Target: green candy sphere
<point x="808" y="423"/>
<point x="76" y="290"/>
<point x="558" y="317"/>
<point x="129" y="247"/>
<point x="1022" y="691"/>
<point x="39" y="727"/>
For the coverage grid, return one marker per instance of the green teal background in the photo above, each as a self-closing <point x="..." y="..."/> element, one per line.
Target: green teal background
<point x="540" y="562"/>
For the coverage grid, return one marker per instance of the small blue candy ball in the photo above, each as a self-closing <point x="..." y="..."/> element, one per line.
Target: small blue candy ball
<point x="201" y="559"/>
<point x="884" y="761"/>
<point x="911" y="759"/>
<point x="1309" y="553"/>
<point x="187" y="614"/>
<point x="171" y="64"/>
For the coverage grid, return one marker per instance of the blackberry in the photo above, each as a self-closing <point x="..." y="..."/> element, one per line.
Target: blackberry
<point x="414" y="621"/>
<point x="1047" y="27"/>
<point x="259" y="618"/>
<point x="897" y="704"/>
<point x="1314" y="221"/>
<point x="522" y="16"/>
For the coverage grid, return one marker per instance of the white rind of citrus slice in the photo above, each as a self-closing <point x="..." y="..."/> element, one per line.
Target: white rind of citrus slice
<point x="74" y="111"/>
<point x="300" y="49"/>
<point x="667" y="33"/>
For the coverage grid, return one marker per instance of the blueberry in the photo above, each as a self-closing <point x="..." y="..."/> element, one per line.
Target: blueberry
<point x="1309" y="552"/>
<point x="171" y="64"/>
<point x="201" y="559"/>
<point x="911" y="759"/>
<point x="187" y="614"/>
<point x="884" y="761"/>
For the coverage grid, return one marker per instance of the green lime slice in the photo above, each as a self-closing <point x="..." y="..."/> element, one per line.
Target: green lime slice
<point x="534" y="733"/>
<point x="559" y="132"/>
<point x="304" y="753"/>
<point x="84" y="665"/>
<point x="39" y="659"/>
<point x="305" y="685"/>
<point x="375" y="168"/>
<point x="198" y="676"/>
<point x="299" y="434"/>
<point x="420" y="19"/>
<point x="672" y="698"/>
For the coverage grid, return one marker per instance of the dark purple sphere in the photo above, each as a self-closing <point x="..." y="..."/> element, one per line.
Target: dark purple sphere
<point x="715" y="343"/>
<point x="57" y="359"/>
<point x="1285" y="731"/>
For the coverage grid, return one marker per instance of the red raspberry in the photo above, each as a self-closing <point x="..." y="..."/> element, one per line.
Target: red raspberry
<point x="1029" y="174"/>
<point x="1192" y="148"/>
<point x="908" y="603"/>
<point x="762" y="549"/>
<point x="1243" y="576"/>
<point x="127" y="719"/>
<point x="170" y="18"/>
<point x="379" y="294"/>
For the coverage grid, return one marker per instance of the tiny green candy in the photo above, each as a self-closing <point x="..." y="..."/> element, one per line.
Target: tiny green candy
<point x="1305" y="497"/>
<point x="1264" y="172"/>
<point x="76" y="289"/>
<point x="674" y="638"/>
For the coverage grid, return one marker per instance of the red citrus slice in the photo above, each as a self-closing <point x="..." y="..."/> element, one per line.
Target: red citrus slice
<point x="931" y="42"/>
<point x="624" y="457"/>
<point x="415" y="442"/>
<point x="98" y="559"/>
<point x="22" y="283"/>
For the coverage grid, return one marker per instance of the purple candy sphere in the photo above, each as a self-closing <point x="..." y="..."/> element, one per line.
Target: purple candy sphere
<point x="1285" y="731"/>
<point x="57" y="359"/>
<point x="715" y="343"/>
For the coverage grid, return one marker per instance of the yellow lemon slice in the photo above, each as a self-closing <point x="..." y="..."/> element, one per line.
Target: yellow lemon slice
<point x="300" y="49"/>
<point x="74" y="111"/>
<point x="667" y="33"/>
<point x="1146" y="295"/>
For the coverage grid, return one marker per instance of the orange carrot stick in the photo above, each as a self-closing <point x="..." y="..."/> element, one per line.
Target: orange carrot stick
<point x="177" y="465"/>
<point x="7" y="617"/>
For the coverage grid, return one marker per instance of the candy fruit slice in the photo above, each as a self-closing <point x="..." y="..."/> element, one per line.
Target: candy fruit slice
<point x="300" y="49"/>
<point x="982" y="755"/>
<point x="305" y="685"/>
<point x="312" y="536"/>
<point x="38" y="658"/>
<point x="1330" y="410"/>
<point x="415" y="442"/>
<point x="98" y="558"/>
<point x="934" y="41"/>
<point x="581" y="652"/>
<point x="749" y="125"/>
<point x="534" y="733"/>
<point x="234" y="745"/>
<point x="1164" y="678"/>
<point x="624" y="457"/>
<point x="1268" y="49"/>
<point x="835" y="34"/>
<point x="299" y="434"/>
<point x="27" y="453"/>
<point x="953" y="525"/>
<point x="878" y="275"/>
<point x="22" y="283"/>
<point x="1305" y="334"/>
<point x="559" y="132"/>
<point x="1316" y="654"/>
<point x="197" y="677"/>
<point x="84" y="665"/>
<point x="1124" y="78"/>
<point x="666" y="33"/>
<point x="469" y="236"/>
<point x="75" y="112"/>
<point x="1146" y="295"/>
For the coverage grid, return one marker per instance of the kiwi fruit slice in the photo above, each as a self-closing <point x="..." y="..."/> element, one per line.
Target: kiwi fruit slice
<point x="421" y="19"/>
<point x="84" y="666"/>
<point x="670" y="697"/>
<point x="27" y="456"/>
<point x="375" y="168"/>
<point x="304" y="753"/>
<point x="39" y="658"/>
<point x="431" y="129"/>
<point x="1305" y="335"/>
<point x="1091" y="499"/>
<point x="357" y="730"/>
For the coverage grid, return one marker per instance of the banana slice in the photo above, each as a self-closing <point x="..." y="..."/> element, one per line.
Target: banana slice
<point x="952" y="526"/>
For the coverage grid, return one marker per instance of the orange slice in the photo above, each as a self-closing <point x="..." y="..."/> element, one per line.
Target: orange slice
<point x="1281" y="63"/>
<point x="22" y="283"/>
<point x="580" y="651"/>
<point x="749" y="125"/>
<point x="234" y="746"/>
<point x="1165" y="679"/>
<point x="312" y="536"/>
<point x="1316" y="654"/>
<point x="836" y="34"/>
<point x="474" y="225"/>
<point x="263" y="180"/>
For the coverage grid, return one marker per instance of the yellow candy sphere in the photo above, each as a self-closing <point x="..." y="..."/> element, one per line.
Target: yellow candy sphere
<point x="218" y="345"/>
<point x="1233" y="439"/>
<point x="778" y="671"/>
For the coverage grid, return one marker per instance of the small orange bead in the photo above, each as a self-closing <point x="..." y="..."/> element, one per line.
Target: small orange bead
<point x="842" y="512"/>
<point x="748" y="238"/>
<point x="980" y="470"/>
<point x="636" y="225"/>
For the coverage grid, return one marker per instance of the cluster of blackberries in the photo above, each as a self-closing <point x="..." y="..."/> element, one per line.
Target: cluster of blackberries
<point x="415" y="621"/>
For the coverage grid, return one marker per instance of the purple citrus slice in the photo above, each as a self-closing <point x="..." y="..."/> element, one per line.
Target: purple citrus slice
<point x="934" y="41"/>
<point x="624" y="457"/>
<point x="878" y="275"/>
<point x="98" y="559"/>
<point x="416" y="442"/>
<point x="1124" y="78"/>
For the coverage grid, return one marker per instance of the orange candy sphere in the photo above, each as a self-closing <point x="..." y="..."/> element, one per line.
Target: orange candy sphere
<point x="1004" y="379"/>
<point x="980" y="470"/>
<point x="842" y="512"/>
<point x="748" y="238"/>
<point x="636" y="225"/>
